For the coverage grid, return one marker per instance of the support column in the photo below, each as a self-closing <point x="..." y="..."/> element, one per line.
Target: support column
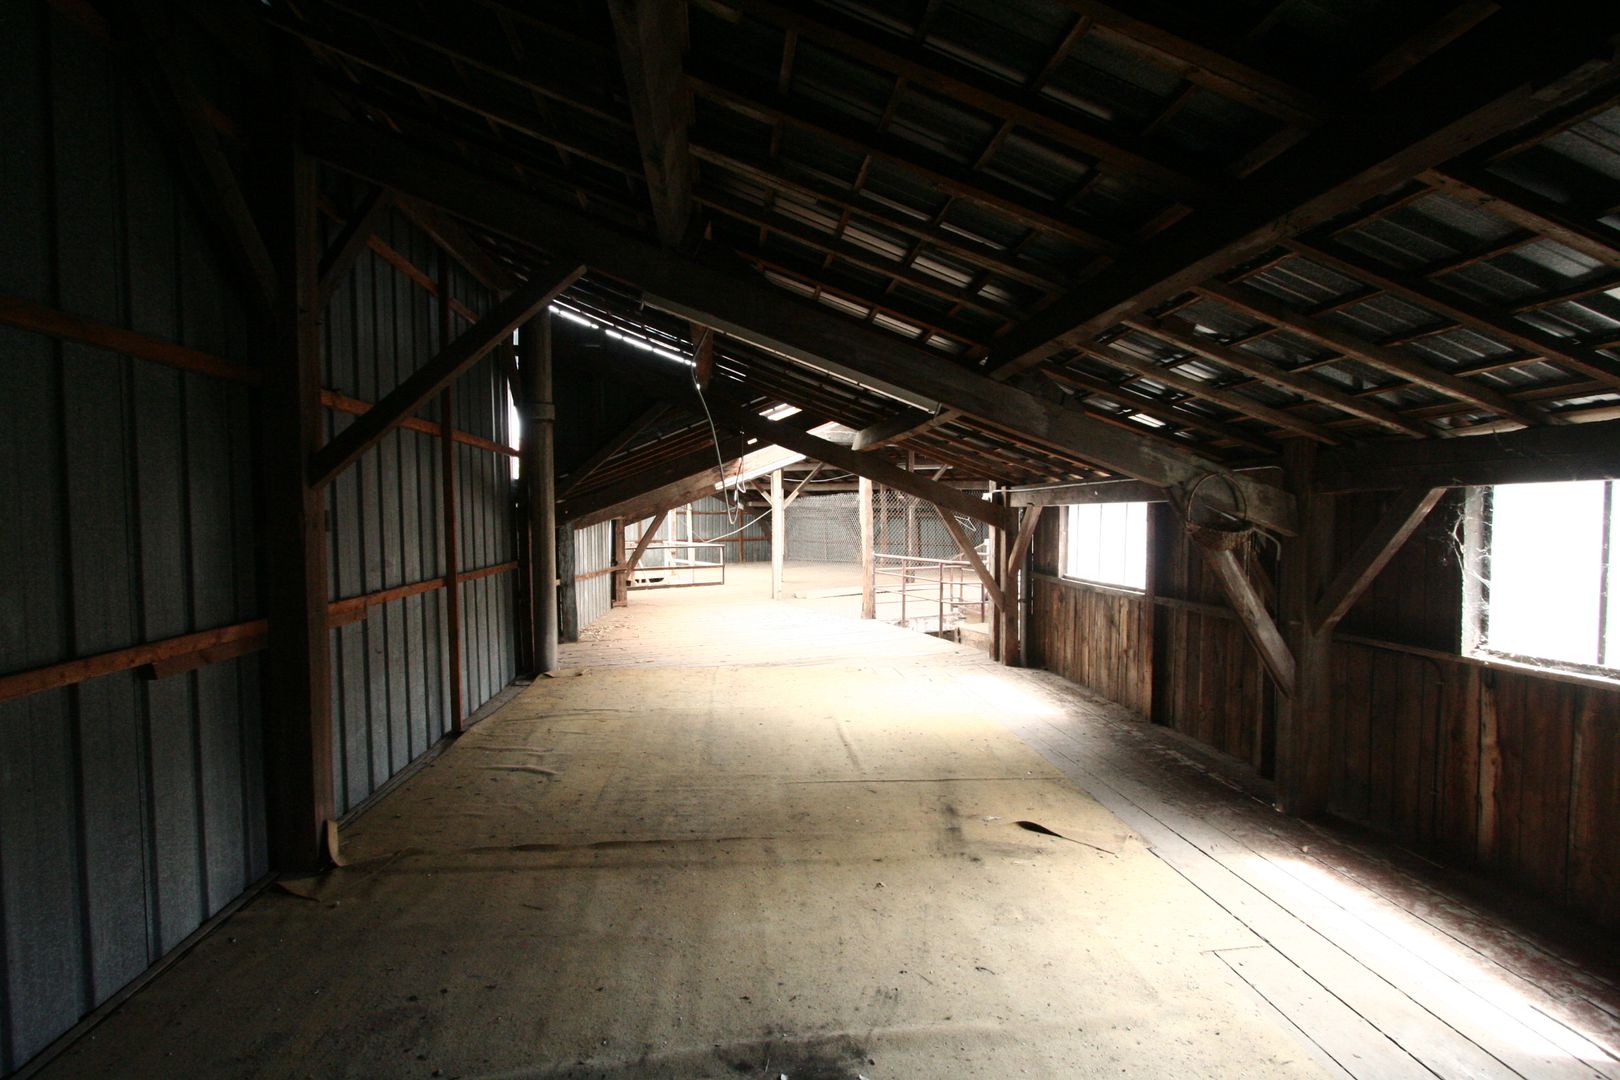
<point x="778" y="534"/>
<point x="538" y="471"/>
<point x="451" y="506"/>
<point x="868" y="569"/>
<point x="567" y="591"/>
<point x="998" y="557"/>
<point x="525" y="580"/>
<point x="913" y="539"/>
<point x="297" y="675"/>
<point x="1304" y="718"/>
<point x="621" y="577"/>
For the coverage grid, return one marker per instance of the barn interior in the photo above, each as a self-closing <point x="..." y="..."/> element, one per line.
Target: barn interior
<point x="853" y="538"/>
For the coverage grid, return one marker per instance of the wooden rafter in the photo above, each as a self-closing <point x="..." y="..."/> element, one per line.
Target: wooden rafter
<point x="493" y="329"/>
<point x="693" y="289"/>
<point x="1342" y="165"/>
<point x="1381" y="357"/>
<point x="939" y="73"/>
<point x="651" y="36"/>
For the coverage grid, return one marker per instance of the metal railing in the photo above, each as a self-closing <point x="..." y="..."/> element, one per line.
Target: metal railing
<point x="680" y="564"/>
<point x="934" y="596"/>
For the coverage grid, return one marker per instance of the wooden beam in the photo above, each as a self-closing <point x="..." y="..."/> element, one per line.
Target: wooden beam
<point x="1564" y="352"/>
<point x="868" y="465"/>
<point x="1179" y="332"/>
<point x="959" y="536"/>
<point x="622" y="438"/>
<point x="1526" y="209"/>
<point x="694" y="288"/>
<point x="1199" y="64"/>
<point x="868" y="566"/>
<point x="1467" y="95"/>
<point x="937" y="72"/>
<point x="651" y="37"/>
<point x="351" y="240"/>
<point x="1247" y="406"/>
<point x="1026" y="535"/>
<point x="1104" y="491"/>
<point x="493" y="329"/>
<point x="1140" y="401"/>
<point x="297" y="676"/>
<point x="897" y="428"/>
<point x="180" y="108"/>
<point x="778" y="533"/>
<point x="28" y="315"/>
<point x="1531" y="455"/>
<point x="799" y="487"/>
<point x="452" y="236"/>
<point x="1305" y="707"/>
<point x="1252" y="614"/>
<point x="644" y="542"/>
<point x="764" y="104"/>
<point x="1398" y="521"/>
<point x="1383" y="358"/>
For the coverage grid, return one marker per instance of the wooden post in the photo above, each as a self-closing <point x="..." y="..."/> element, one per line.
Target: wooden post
<point x="567" y="592"/>
<point x="297" y="675"/>
<point x="540" y="480"/>
<point x="997" y="559"/>
<point x="1017" y="590"/>
<point x="913" y="540"/>
<point x="778" y="534"/>
<point x="450" y="505"/>
<point x="868" y="569"/>
<point x="525" y="578"/>
<point x="1304" y="717"/>
<point x="621" y="578"/>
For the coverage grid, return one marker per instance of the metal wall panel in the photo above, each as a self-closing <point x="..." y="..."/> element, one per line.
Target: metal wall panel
<point x="130" y="810"/>
<point x="390" y="683"/>
<point x="593" y="550"/>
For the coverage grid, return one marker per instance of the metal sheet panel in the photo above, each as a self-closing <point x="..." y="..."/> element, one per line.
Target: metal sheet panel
<point x="130" y="810"/>
<point x="390" y="684"/>
<point x="593" y="551"/>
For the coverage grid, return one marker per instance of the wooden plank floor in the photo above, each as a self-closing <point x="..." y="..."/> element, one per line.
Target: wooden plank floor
<point x="1378" y="966"/>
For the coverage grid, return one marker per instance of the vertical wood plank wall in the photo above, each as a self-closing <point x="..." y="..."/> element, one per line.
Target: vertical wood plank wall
<point x="130" y="810"/>
<point x="391" y="699"/>
<point x="1484" y="765"/>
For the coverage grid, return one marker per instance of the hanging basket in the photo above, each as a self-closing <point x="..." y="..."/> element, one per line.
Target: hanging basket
<point x="1213" y="528"/>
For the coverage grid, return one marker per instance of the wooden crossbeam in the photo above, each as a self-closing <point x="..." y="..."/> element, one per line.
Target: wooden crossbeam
<point x="1404" y="514"/>
<point x="1178" y="332"/>
<point x="694" y="288"/>
<point x="651" y="35"/>
<point x="937" y="72"/>
<point x="351" y="240"/>
<point x="1562" y="351"/>
<point x="1468" y="95"/>
<point x="965" y="543"/>
<point x="1255" y="619"/>
<point x="646" y="540"/>
<point x="181" y="109"/>
<point x="769" y="107"/>
<point x="618" y="441"/>
<point x="1203" y="389"/>
<point x="896" y="428"/>
<point x="1026" y="536"/>
<point x="1139" y="401"/>
<point x="1531" y="455"/>
<point x="1382" y="357"/>
<point x="493" y="329"/>
<point x="1526" y="209"/>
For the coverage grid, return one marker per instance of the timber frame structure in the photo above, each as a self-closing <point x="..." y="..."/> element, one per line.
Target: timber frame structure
<point x="1069" y="253"/>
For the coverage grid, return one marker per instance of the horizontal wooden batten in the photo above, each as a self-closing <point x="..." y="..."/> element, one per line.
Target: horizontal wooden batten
<point x="27" y="315"/>
<point x="175" y="655"/>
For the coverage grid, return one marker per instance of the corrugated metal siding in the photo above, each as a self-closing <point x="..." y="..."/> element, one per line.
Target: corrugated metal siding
<point x="130" y="810"/>
<point x="593" y="551"/>
<point x="390" y="687"/>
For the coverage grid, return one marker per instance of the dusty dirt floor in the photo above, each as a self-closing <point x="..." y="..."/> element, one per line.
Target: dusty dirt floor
<point x="735" y="838"/>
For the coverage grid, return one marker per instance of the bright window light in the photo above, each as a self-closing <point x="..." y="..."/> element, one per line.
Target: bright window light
<point x="1107" y="543"/>
<point x="1542" y="573"/>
